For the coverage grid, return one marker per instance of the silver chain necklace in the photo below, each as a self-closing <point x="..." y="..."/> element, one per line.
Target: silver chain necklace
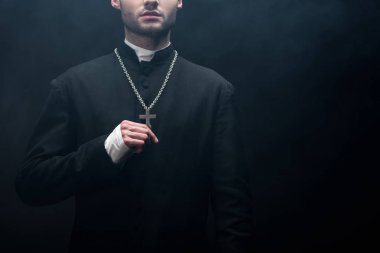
<point x="147" y="116"/>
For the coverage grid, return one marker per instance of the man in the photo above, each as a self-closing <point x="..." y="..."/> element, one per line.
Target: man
<point x="143" y="139"/>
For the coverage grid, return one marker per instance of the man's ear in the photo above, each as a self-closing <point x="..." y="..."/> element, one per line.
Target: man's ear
<point x="115" y="4"/>
<point x="180" y="4"/>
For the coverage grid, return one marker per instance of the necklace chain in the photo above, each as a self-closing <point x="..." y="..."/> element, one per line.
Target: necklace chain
<point x="134" y="87"/>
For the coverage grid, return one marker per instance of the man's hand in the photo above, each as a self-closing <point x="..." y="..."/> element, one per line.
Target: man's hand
<point x="136" y="134"/>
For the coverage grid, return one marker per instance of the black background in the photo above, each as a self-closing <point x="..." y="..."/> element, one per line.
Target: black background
<point x="306" y="74"/>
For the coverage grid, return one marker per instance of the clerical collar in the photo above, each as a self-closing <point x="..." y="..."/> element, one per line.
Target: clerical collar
<point x="142" y="53"/>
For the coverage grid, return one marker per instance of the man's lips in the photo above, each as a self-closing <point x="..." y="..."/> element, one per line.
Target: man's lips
<point x="151" y="14"/>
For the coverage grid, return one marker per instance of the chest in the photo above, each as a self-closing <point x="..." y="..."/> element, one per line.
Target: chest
<point x="180" y="108"/>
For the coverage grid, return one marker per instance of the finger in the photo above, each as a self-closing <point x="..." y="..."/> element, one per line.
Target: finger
<point x="135" y="129"/>
<point x="133" y="142"/>
<point x="124" y="124"/>
<point x="140" y="128"/>
<point x="152" y="135"/>
<point x="140" y="135"/>
<point x="136" y="135"/>
<point x="128" y="124"/>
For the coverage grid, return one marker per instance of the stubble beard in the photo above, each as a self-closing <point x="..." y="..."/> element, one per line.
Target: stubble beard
<point x="151" y="31"/>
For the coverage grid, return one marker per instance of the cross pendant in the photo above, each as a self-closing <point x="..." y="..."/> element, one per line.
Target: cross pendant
<point x="147" y="116"/>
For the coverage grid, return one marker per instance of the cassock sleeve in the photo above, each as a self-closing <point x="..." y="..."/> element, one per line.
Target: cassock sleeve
<point x="55" y="167"/>
<point x="230" y="196"/>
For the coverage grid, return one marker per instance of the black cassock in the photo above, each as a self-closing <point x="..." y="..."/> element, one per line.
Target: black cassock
<point x="156" y="201"/>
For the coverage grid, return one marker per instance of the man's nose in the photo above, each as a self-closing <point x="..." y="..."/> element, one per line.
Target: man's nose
<point x="151" y="4"/>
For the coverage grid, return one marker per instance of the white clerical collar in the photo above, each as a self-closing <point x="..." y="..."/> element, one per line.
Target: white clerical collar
<point x="142" y="53"/>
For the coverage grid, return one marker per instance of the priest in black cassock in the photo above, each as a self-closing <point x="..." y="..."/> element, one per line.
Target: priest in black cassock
<point x="144" y="140"/>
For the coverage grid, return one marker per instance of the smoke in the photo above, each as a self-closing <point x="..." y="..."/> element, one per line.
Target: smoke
<point x="304" y="71"/>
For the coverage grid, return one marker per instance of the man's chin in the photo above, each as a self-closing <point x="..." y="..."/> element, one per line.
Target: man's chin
<point x="153" y="30"/>
<point x="151" y="26"/>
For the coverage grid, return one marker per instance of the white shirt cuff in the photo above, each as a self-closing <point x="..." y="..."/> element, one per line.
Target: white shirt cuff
<point x="115" y="145"/>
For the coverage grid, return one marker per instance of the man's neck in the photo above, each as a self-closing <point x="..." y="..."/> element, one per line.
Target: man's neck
<point x="142" y="53"/>
<point x="150" y="43"/>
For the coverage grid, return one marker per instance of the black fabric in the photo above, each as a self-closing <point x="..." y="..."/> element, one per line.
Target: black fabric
<point x="156" y="201"/>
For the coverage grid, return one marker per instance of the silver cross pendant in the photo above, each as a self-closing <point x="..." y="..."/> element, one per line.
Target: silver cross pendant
<point x="147" y="116"/>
